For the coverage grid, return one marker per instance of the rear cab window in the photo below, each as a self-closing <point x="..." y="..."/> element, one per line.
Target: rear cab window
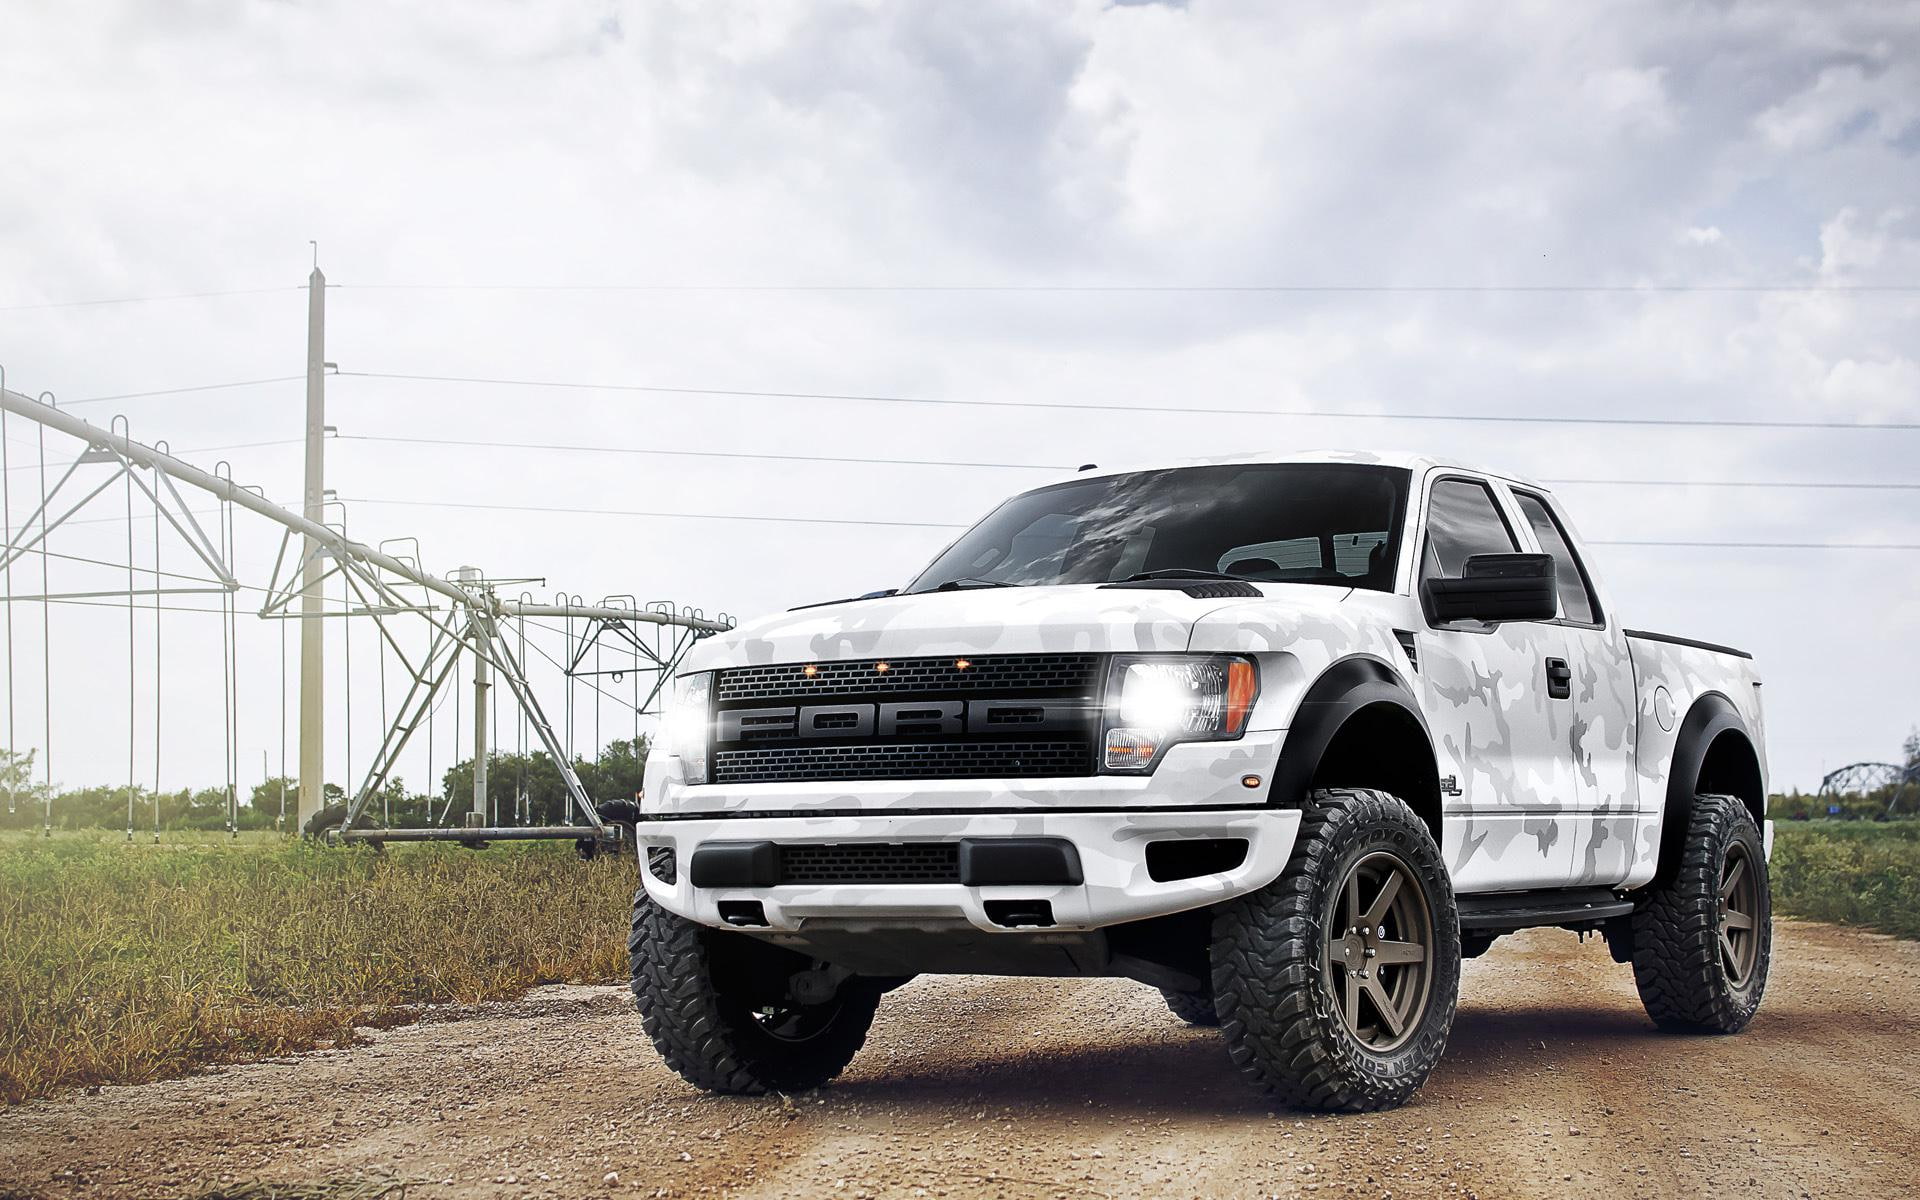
<point x="1577" y="601"/>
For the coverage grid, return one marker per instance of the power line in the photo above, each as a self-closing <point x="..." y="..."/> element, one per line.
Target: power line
<point x="1770" y="545"/>
<point x="202" y="387"/>
<point x="1495" y="418"/>
<point x="1413" y="289"/>
<point x="947" y="462"/>
<point x="823" y="458"/>
<point x="626" y="512"/>
<point x="1745" y="483"/>
<point x="67" y="462"/>
<point x="146" y="299"/>
<point x="691" y="516"/>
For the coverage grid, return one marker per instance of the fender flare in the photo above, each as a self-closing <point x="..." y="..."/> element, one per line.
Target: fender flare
<point x="1712" y="714"/>
<point x="1343" y="689"/>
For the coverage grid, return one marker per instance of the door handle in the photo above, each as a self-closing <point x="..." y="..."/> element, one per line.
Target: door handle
<point x="1559" y="679"/>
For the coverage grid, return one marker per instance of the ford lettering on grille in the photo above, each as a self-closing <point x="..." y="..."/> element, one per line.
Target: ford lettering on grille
<point x="1008" y="716"/>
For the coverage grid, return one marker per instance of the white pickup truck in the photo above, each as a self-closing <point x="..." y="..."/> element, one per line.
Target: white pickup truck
<point x="1285" y="736"/>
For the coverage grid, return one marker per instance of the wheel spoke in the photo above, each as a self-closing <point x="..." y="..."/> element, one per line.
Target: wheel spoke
<point x="1351" y="914"/>
<point x="1734" y="873"/>
<point x="1388" y="1013"/>
<point x="1350" y="1008"/>
<point x="1389" y="888"/>
<point x="1393" y="954"/>
<point x="1733" y="959"/>
<point x="1736" y="920"/>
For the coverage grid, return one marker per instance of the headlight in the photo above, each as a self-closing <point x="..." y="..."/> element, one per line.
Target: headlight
<point x="684" y="731"/>
<point x="1155" y="701"/>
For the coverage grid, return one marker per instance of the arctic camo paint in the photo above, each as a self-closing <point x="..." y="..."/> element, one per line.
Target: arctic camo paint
<point x="1551" y="792"/>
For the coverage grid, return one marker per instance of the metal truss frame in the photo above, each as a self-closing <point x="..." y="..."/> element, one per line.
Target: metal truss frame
<point x="463" y="613"/>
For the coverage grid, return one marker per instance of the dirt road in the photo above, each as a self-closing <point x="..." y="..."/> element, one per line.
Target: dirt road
<point x="1554" y="1085"/>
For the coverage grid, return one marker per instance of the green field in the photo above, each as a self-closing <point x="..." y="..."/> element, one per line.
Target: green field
<point x="122" y="963"/>
<point x="1853" y="872"/>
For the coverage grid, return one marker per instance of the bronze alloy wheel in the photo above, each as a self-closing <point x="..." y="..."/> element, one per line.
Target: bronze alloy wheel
<point x="787" y="1022"/>
<point x="1379" y="935"/>
<point x="1739" y="906"/>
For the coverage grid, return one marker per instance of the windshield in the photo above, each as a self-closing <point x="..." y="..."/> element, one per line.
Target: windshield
<point x="1288" y="522"/>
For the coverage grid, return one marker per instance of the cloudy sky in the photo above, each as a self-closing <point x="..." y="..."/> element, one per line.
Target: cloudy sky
<point x="1698" y="211"/>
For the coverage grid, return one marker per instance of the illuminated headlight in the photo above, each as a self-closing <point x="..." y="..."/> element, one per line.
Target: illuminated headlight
<point x="684" y="730"/>
<point x="1155" y="701"/>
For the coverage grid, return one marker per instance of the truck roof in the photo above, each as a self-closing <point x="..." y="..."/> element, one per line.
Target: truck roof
<point x="1407" y="459"/>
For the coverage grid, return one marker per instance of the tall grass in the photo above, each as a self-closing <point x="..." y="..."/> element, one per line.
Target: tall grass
<point x="127" y="963"/>
<point x="1854" y="872"/>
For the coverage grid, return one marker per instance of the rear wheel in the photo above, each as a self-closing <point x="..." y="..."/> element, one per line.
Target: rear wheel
<point x="1703" y="940"/>
<point x="1336" y="983"/>
<point x="1195" y="1008"/>
<point x="719" y="1009"/>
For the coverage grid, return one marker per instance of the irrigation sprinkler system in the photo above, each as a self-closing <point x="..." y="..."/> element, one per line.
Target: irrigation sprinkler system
<point x="462" y="618"/>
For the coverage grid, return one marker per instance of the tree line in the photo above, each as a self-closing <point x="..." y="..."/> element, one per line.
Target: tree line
<point x="522" y="789"/>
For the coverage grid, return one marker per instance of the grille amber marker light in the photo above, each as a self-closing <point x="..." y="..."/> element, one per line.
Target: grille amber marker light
<point x="882" y="668"/>
<point x="961" y="664"/>
<point x="1240" y="690"/>
<point x="809" y="670"/>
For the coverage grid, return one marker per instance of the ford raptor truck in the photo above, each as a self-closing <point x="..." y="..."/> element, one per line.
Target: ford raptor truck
<point x="1286" y="737"/>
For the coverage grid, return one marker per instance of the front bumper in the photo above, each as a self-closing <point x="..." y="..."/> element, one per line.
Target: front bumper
<point x="1115" y="887"/>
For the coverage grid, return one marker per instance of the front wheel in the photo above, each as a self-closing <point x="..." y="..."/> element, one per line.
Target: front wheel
<point x="718" y="1008"/>
<point x="1336" y="983"/>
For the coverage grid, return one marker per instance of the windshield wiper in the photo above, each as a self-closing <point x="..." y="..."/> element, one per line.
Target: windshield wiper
<point x="1183" y="573"/>
<point x="968" y="583"/>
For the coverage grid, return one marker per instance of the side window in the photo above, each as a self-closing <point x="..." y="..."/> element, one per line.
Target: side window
<point x="1462" y="521"/>
<point x="1576" y="595"/>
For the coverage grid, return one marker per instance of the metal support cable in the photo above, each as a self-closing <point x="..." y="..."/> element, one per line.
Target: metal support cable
<point x="6" y="522"/>
<point x="159" y="703"/>
<point x="386" y="804"/>
<point x="46" y="645"/>
<point x="282" y="823"/>
<point x="133" y="712"/>
<point x="230" y="655"/>
<point x="561" y="666"/>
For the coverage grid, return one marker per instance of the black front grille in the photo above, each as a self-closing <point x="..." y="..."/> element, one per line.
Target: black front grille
<point x="947" y="760"/>
<point x="1009" y="716"/>
<point x="867" y="862"/>
<point x="1074" y="674"/>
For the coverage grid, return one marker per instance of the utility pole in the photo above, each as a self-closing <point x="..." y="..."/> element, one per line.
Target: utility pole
<point x="313" y="636"/>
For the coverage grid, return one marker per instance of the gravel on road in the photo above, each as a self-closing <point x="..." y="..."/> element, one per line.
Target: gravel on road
<point x="1555" y="1084"/>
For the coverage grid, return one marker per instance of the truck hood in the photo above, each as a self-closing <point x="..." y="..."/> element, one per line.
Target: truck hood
<point x="1017" y="620"/>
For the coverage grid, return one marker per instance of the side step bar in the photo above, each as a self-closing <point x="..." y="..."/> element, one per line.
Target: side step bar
<point x="1506" y="912"/>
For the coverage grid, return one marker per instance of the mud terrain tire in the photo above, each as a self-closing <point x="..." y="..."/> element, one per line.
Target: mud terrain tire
<point x="704" y="998"/>
<point x="1703" y="940"/>
<point x="1281" y="982"/>
<point x="1195" y="1008"/>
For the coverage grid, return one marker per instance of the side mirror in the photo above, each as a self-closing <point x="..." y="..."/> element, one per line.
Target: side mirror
<point x="1497" y="587"/>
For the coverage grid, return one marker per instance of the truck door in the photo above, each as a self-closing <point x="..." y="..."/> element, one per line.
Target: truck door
<point x="1500" y="737"/>
<point x="1604" y="711"/>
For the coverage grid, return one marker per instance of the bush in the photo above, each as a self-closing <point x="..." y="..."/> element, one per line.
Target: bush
<point x="127" y="963"/>
<point x="1864" y="873"/>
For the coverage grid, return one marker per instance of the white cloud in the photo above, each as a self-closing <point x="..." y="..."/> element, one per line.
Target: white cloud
<point x="186" y="148"/>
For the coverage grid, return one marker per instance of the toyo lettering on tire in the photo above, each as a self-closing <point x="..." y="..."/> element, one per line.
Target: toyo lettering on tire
<point x="1336" y="984"/>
